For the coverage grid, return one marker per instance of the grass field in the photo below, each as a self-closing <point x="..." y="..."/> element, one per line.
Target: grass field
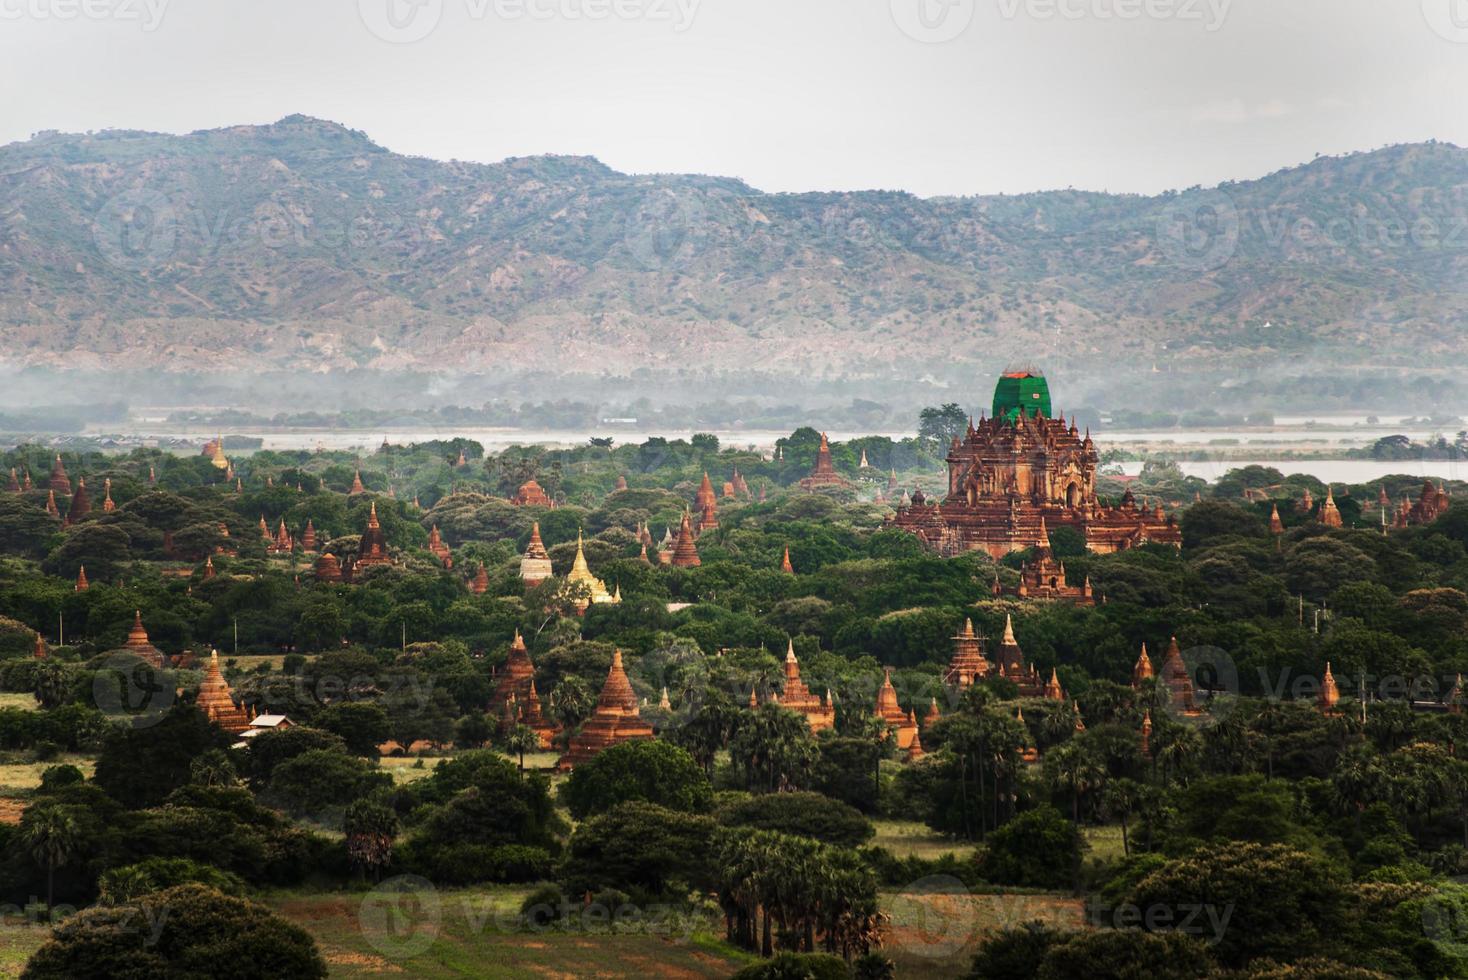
<point x="1104" y="843"/>
<point x="13" y="699"/>
<point x="933" y="934"/>
<point x="909" y="838"/>
<point x="472" y="932"/>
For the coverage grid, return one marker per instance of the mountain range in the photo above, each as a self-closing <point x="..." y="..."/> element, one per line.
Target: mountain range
<point x="303" y="246"/>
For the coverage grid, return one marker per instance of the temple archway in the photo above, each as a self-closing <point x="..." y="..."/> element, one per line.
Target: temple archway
<point x="1072" y="495"/>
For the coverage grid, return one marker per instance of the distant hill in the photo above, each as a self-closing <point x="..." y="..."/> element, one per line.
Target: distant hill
<point x="304" y="246"/>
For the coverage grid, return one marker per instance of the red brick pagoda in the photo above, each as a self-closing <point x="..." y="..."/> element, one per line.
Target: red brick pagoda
<point x="1044" y="577"/>
<point x="373" y="547"/>
<point x="796" y="696"/>
<point x="707" y="504"/>
<point x="217" y="702"/>
<point x="615" y="719"/>
<point x="1021" y="467"/>
<point x="824" y="474"/>
<point x="535" y="564"/>
<point x="903" y="724"/>
<point x="969" y="665"/>
<point x="138" y="643"/>
<point x="530" y="494"/>
<point x="59" y="482"/>
<point x="685" y="553"/>
<point x="515" y="699"/>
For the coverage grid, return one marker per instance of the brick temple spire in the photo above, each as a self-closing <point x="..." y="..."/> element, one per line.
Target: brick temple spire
<point x="1330" y="515"/>
<point x="1142" y="669"/>
<point x="615" y="719"/>
<point x="1330" y="695"/>
<point x="685" y="553"/>
<point x="535" y="564"/>
<point x="51" y="507"/>
<point x="81" y="503"/>
<point x="82" y="584"/>
<point x="14" y="486"/>
<point x="107" y="505"/>
<point x="785" y="565"/>
<point x="217" y="702"/>
<point x="707" y="504"/>
<point x="59" y="482"/>
<point x="1276" y="526"/>
<point x="357" y="487"/>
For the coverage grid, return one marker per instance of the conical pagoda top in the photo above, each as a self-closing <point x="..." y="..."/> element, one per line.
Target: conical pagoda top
<point x="1044" y="540"/>
<point x="785" y="565"/>
<point x="40" y="652"/>
<point x="1276" y="526"/>
<point x="372" y="521"/>
<point x="536" y="547"/>
<point x="617" y="693"/>
<point x="1142" y="669"/>
<point x="82" y="584"/>
<point x="59" y="481"/>
<point x="1329" y="693"/>
<point x="356" y="484"/>
<point x="685" y="552"/>
<point x="1009" y="639"/>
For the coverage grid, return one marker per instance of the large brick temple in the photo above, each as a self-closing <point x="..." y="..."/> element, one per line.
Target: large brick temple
<point x="1015" y="474"/>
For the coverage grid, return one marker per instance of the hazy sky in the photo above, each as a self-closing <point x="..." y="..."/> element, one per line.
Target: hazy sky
<point x="931" y="96"/>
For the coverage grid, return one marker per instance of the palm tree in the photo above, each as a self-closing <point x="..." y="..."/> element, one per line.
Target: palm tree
<point x="1120" y="800"/>
<point x="51" y="834"/>
<point x="1078" y="768"/>
<point x="370" y="828"/>
<point x="518" y="741"/>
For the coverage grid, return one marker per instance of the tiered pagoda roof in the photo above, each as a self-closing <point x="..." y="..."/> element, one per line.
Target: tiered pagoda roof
<point x="823" y="474"/>
<point x="1044" y="577"/>
<point x="217" y="702"/>
<point x="439" y="549"/>
<point x="1011" y="663"/>
<point x="968" y="664"/>
<point x="706" y="504"/>
<point x="328" y="568"/>
<point x="615" y="719"/>
<point x="1330" y="514"/>
<point x="889" y="711"/>
<point x="530" y="494"/>
<point x="796" y="696"/>
<point x="373" y="548"/>
<point x="479" y="584"/>
<point x="685" y="552"/>
<point x="515" y="700"/>
<point x="535" y="565"/>
<point x="137" y="642"/>
<point x="1010" y="472"/>
<point x="1179" y="682"/>
<point x="308" y="538"/>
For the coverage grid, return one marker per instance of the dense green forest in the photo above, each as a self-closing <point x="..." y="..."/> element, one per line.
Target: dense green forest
<point x="1264" y="835"/>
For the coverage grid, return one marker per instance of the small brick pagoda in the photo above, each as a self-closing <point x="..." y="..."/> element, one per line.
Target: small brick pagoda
<point x="373" y="547"/>
<point x="904" y="724"/>
<point x="824" y="474"/>
<point x="216" y="701"/>
<point x="1044" y="577"/>
<point x="530" y="494"/>
<point x="138" y="643"/>
<point x="515" y="700"/>
<point x="796" y="696"/>
<point x="615" y="719"/>
<point x="968" y="665"/>
<point x="535" y="564"/>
